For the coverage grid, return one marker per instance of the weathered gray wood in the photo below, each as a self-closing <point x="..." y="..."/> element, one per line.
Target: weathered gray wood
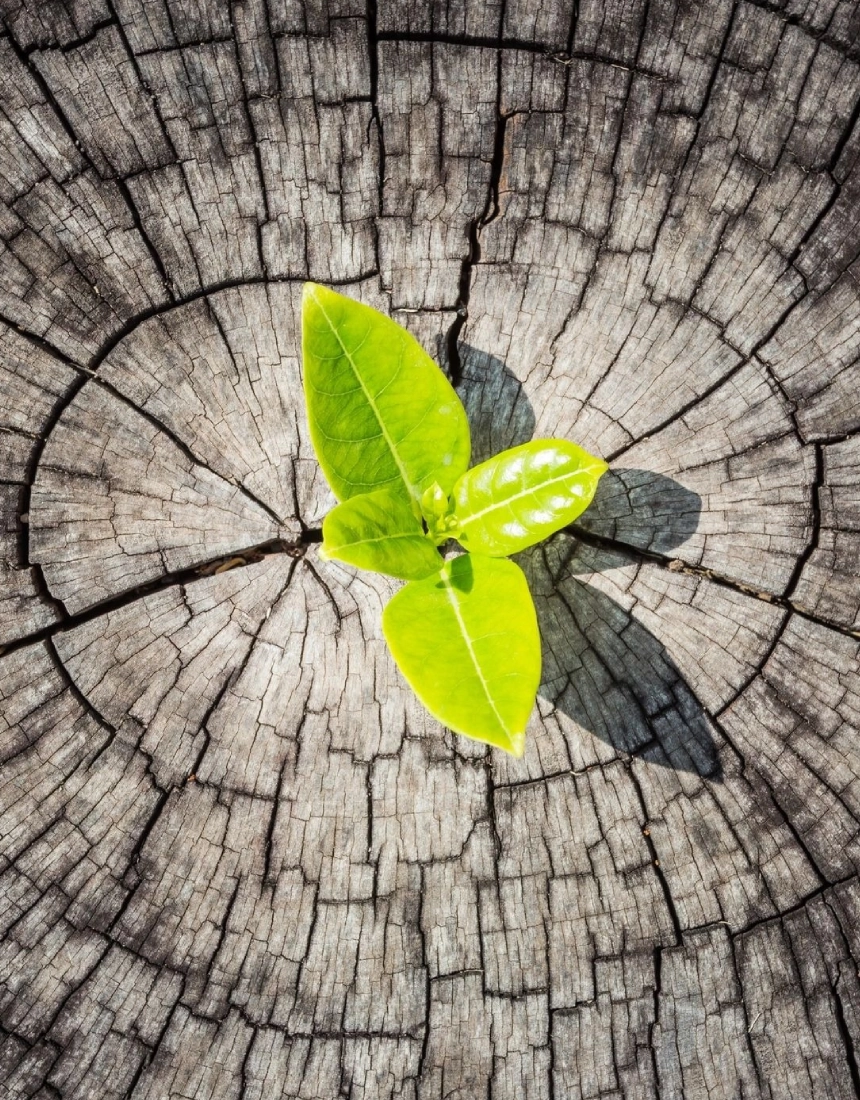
<point x="32" y="384"/>
<point x="237" y="858"/>
<point x="116" y="503"/>
<point x="828" y="583"/>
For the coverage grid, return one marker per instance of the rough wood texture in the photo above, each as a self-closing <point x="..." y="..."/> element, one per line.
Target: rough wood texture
<point x="237" y="859"/>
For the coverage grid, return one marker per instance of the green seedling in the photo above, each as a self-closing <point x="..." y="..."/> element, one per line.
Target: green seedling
<point x="392" y="439"/>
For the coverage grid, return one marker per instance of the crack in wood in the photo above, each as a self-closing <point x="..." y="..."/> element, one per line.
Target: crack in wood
<point x="473" y="256"/>
<point x="177" y="578"/>
<point x="676" y="565"/>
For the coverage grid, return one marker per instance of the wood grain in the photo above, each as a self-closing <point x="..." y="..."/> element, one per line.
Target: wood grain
<point x="237" y="858"/>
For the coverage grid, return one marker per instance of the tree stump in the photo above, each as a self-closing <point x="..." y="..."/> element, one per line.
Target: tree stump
<point x="237" y="858"/>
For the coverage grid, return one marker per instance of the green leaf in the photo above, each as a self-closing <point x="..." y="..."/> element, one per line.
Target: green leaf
<point x="379" y="531"/>
<point x="467" y="641"/>
<point x="381" y="412"/>
<point x="523" y="495"/>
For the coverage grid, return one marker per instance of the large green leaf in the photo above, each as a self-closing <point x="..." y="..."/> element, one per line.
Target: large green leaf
<point x="381" y="412"/>
<point x="380" y="531"/>
<point x="467" y="641"/>
<point x="523" y="495"/>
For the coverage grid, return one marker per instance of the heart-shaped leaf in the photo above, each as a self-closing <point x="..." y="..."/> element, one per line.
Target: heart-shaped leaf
<point x="380" y="531"/>
<point x="467" y="641"/>
<point x="523" y="495"/>
<point x="381" y="412"/>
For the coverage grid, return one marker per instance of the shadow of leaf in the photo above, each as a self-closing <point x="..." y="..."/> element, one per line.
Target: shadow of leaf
<point x="643" y="509"/>
<point x="606" y="672"/>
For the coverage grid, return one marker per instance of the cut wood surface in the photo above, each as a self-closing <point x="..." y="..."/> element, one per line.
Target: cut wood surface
<point x="238" y="860"/>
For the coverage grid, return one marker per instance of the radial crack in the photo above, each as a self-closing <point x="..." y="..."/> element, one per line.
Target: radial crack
<point x="180" y="577"/>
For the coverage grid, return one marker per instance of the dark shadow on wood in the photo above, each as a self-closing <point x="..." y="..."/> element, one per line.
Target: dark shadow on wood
<point x="609" y="674"/>
<point x="643" y="509"/>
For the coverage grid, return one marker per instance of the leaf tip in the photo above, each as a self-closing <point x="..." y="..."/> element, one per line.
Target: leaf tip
<point x="311" y="294"/>
<point x="517" y="745"/>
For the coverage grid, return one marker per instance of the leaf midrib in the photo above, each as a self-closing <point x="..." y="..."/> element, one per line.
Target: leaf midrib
<point x="413" y="489"/>
<point x="507" y="501"/>
<point x="455" y="607"/>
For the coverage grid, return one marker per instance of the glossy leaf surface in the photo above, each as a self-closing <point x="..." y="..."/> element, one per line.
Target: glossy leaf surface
<point x="523" y="495"/>
<point x="467" y="641"/>
<point x="381" y="412"/>
<point x="380" y="531"/>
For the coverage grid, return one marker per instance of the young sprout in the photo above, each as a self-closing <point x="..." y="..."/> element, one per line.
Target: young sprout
<point x="392" y="438"/>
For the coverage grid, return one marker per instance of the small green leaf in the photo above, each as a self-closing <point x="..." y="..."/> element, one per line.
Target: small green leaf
<point x="434" y="502"/>
<point x="523" y="495"/>
<point x="437" y="509"/>
<point x="379" y="531"/>
<point x="467" y="641"/>
<point x="381" y="412"/>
